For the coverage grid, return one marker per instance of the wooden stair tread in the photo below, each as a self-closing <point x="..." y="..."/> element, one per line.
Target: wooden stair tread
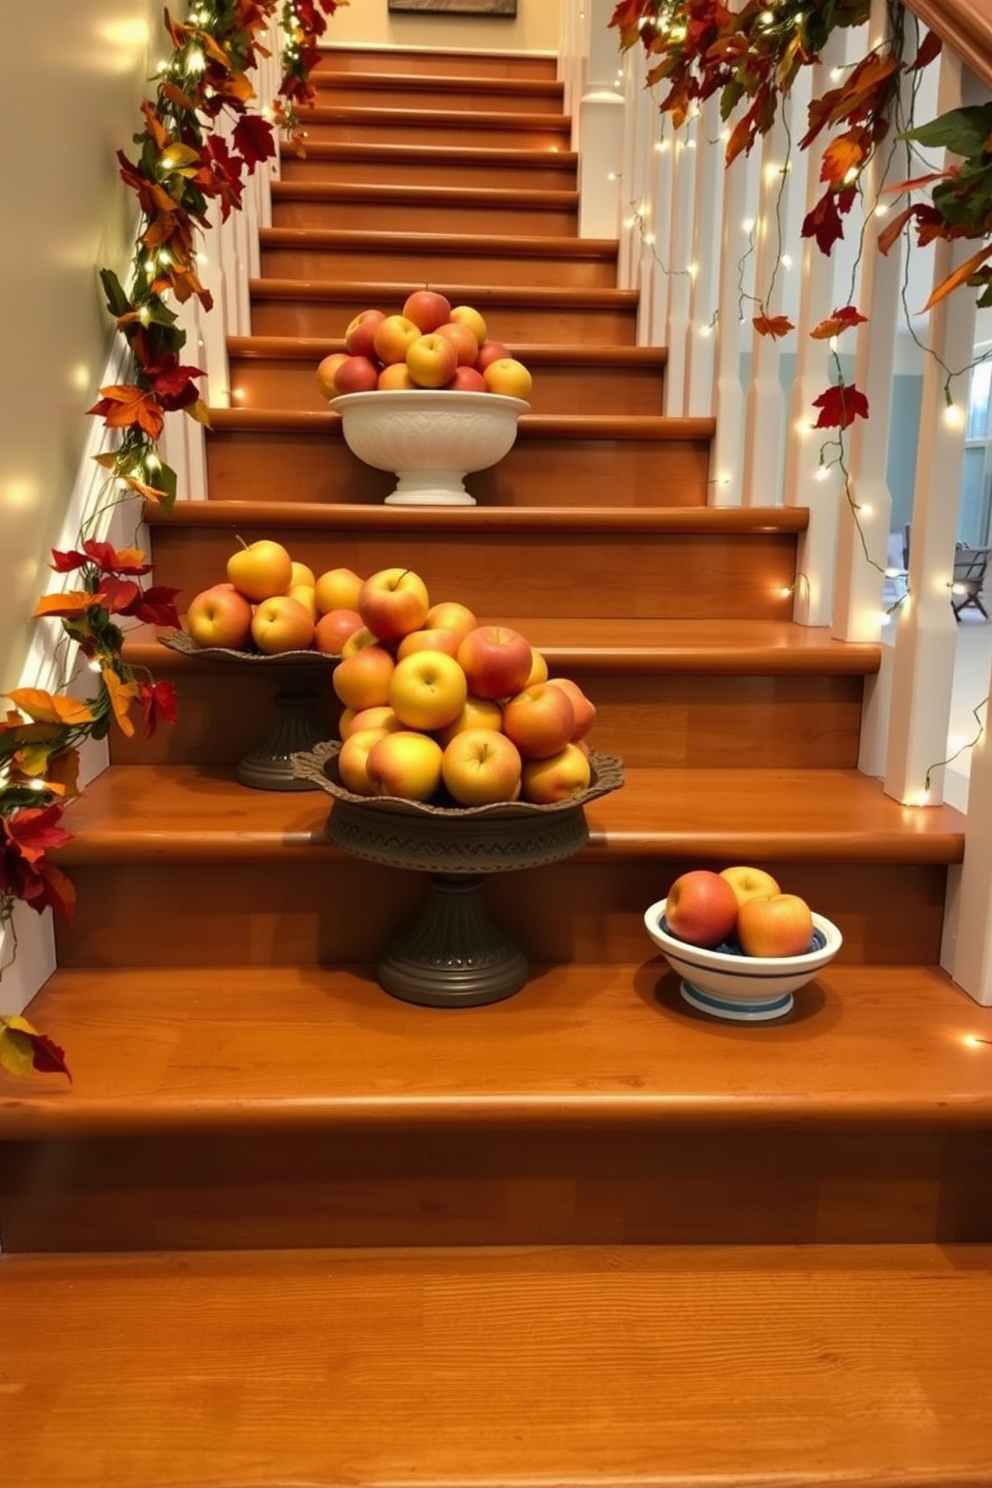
<point x="452" y="82"/>
<point x="426" y="197"/>
<point x="145" y="813"/>
<point x="529" y="426"/>
<point x="402" y="118"/>
<point x="480" y="159"/>
<point x="488" y="295"/>
<point x="738" y="647"/>
<point x="674" y="1366"/>
<point x="311" y="349"/>
<point x="284" y="1047"/>
<point x="509" y="245"/>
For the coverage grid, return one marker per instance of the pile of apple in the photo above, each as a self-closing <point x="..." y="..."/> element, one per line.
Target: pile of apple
<point x="739" y="904"/>
<point x="428" y="344"/>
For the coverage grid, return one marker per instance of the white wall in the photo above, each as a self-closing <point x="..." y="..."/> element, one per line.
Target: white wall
<point x="533" y="29"/>
<point x="69" y="96"/>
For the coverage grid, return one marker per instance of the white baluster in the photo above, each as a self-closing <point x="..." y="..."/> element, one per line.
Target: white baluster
<point x="705" y="285"/>
<point x="639" y="127"/>
<point x="675" y="273"/>
<point x="738" y="227"/>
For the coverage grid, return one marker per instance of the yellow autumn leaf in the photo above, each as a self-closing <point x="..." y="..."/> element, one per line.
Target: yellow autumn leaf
<point x="43" y="707"/>
<point x="15" y="1053"/>
<point x="122" y="695"/>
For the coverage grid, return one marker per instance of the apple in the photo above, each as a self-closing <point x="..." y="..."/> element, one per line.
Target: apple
<point x="362" y="679"/>
<point x="358" y="640"/>
<point x="490" y="351"/>
<point x="382" y="718"/>
<point x="427" y="309"/>
<point x="427" y="690"/>
<point x="478" y="713"/>
<point x="701" y="907"/>
<point x="352" y="760"/>
<point x="539" y="720"/>
<point x="260" y="569"/>
<point x="281" y="624"/>
<point x="301" y="573"/>
<point x="396" y="333"/>
<point x="467" y="380"/>
<point x="467" y="315"/>
<point x="327" y="371"/>
<point x="429" y="640"/>
<point x="558" y="778"/>
<point x="356" y="374"/>
<point x="337" y="589"/>
<point x="583" y="708"/>
<point x="538" y="671"/>
<point x="496" y="661"/>
<point x="396" y="378"/>
<point x="405" y="764"/>
<point x="509" y="377"/>
<point x="304" y="595"/>
<point x="480" y="766"/>
<point x="431" y="361"/>
<point x="333" y="629"/>
<point x="220" y="617"/>
<point x="775" y="925"/>
<point x="448" y="614"/>
<point x="393" y="602"/>
<point x="359" y="336"/>
<point x="462" y="339"/>
<point x="747" y="882"/>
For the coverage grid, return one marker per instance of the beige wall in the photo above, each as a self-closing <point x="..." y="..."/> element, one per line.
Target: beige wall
<point x="534" y="29"/>
<point x="69" y="94"/>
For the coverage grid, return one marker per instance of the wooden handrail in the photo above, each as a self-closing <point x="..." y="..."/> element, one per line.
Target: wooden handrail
<point x="965" y="25"/>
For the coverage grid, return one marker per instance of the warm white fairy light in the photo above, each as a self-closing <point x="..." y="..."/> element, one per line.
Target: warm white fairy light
<point x="748" y="224"/>
<point x="822" y="473"/>
<point x="786" y="261"/>
<point x="196" y="62"/>
<point x="881" y="210"/>
<point x="832" y="343"/>
<point x="954" y="416"/>
<point x="144" y="315"/>
<point x="662" y="146"/>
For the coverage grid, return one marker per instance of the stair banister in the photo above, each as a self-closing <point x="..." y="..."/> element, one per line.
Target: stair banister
<point x="705" y="258"/>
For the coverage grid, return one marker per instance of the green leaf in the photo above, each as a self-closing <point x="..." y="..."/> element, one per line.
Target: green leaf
<point x="963" y="131"/>
<point x="117" y="301"/>
<point x="167" y="481"/>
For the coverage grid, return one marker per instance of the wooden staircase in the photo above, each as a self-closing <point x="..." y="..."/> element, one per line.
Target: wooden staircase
<point x="285" y="1229"/>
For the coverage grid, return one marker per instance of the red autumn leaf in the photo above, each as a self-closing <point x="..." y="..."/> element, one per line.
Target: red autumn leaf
<point x="48" y="1057"/>
<point x="839" y="406"/>
<point x="818" y="115"/>
<point x="845" y="154"/>
<point x="34" y="830"/>
<point x="253" y="139"/>
<point x="841" y="320"/>
<point x="865" y="89"/>
<point x="116" y="560"/>
<point x="772" y="325"/>
<point x="155" y="606"/>
<point x="823" y="221"/>
<point x="171" y="382"/>
<point x="23" y="1048"/>
<point x="118" y="594"/>
<point x="929" y="51"/>
<point x="158" y="704"/>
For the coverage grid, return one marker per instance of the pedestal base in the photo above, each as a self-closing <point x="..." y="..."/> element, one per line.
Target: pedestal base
<point x="430" y="488"/>
<point x="269" y="765"/>
<point x="737" y="1012"/>
<point x="453" y="955"/>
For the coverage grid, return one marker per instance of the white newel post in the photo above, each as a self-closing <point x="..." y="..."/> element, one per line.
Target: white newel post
<point x="809" y="481"/>
<point x="597" y="119"/>
<point x="764" y="414"/>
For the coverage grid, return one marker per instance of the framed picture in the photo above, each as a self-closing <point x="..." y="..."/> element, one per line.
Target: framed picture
<point x="457" y="7"/>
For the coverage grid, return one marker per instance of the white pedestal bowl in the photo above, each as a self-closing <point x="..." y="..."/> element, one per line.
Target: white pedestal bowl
<point x="431" y="439"/>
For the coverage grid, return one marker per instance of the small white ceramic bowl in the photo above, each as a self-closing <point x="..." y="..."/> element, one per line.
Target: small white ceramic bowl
<point x="744" y="989"/>
<point x="430" y="438"/>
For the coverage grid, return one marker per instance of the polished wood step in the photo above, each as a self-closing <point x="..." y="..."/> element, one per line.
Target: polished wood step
<point x="490" y="128"/>
<point x="260" y="883"/>
<point x="566" y="461"/>
<point x="364" y="207"/>
<point x="623" y="563"/>
<point x="280" y="372"/>
<point x="446" y="93"/>
<point x="430" y="165"/>
<point x="737" y="691"/>
<point x="517" y="259"/>
<point x="853" y="1365"/>
<point x="434" y="61"/>
<point x="311" y="308"/>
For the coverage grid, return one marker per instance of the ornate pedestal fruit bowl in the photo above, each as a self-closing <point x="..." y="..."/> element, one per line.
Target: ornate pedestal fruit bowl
<point x="430" y="438"/>
<point x="454" y="955"/>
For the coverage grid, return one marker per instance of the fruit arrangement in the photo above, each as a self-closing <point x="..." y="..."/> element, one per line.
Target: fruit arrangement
<point x="427" y="344"/>
<point x="740" y="908"/>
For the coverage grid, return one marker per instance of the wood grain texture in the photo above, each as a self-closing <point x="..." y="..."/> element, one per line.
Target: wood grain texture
<point x="449" y="62"/>
<point x="531" y="130"/>
<point x="463" y="94"/>
<point x="239" y="1048"/>
<point x="368" y="206"/>
<point x="431" y="165"/>
<point x="864" y="1367"/>
<point x="296" y="254"/>
<point x="966" y="25"/>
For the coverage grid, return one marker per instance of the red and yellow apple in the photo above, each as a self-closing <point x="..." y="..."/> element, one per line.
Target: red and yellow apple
<point x="467" y="380"/>
<point x="382" y="718"/>
<point x="352" y="760"/>
<point x="356" y="374"/>
<point x="333" y="629"/>
<point x="490" y="351"/>
<point x="748" y="882"/>
<point x="449" y="614"/>
<point x="395" y="378"/>
<point x="405" y="764"/>
<point x="538" y="670"/>
<point x="393" y="602"/>
<point x="462" y="339"/>
<point x="496" y="661"/>
<point x="478" y="713"/>
<point x="220" y="617"/>
<point x="432" y="639"/>
<point x="281" y="624"/>
<point x="431" y="360"/>
<point x="337" y="589"/>
<point x="359" y="336"/>
<point x="508" y="377"/>
<point x="427" y="690"/>
<point x="480" y="766"/>
<point x="358" y="640"/>
<point x="701" y="907"/>
<point x="427" y="308"/>
<point x="301" y="573"/>
<point x="362" y="679"/>
<point x="539" y="720"/>
<point x="468" y="315"/>
<point x="327" y="369"/>
<point x="393" y="338"/>
<point x="260" y="569"/>
<point x="304" y="595"/>
<point x="775" y="925"/>
<point x="559" y="778"/>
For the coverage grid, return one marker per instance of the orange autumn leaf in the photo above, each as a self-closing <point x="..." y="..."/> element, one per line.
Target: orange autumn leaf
<point x="772" y="325"/>
<point x="63" y="773"/>
<point x="45" y="707"/>
<point x="122" y="695"/>
<point x="150" y="493"/>
<point x="73" y="602"/>
<point x="841" y="157"/>
<point x="124" y="405"/>
<point x="841" y="320"/>
<point x="960" y="276"/>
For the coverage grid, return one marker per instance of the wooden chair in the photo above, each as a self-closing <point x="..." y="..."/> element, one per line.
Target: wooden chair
<point x="970" y="567"/>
